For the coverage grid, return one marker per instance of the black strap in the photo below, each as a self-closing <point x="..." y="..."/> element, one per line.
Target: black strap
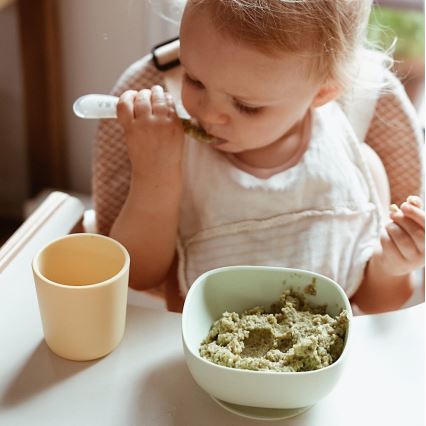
<point x="167" y="65"/>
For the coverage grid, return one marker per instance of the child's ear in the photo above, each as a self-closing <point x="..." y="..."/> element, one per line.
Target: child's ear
<point x="326" y="93"/>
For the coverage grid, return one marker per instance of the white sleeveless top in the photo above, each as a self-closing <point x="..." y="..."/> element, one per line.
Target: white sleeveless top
<point x="321" y="214"/>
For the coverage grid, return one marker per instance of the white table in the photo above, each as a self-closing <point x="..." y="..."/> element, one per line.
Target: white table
<point x="145" y="380"/>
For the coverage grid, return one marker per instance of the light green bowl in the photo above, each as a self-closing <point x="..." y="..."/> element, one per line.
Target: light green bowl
<point x="235" y="289"/>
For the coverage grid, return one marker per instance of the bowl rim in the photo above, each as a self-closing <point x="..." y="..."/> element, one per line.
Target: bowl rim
<point x="211" y="364"/>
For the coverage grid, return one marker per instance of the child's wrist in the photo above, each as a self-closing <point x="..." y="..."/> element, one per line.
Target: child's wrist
<point x="170" y="177"/>
<point x="157" y="187"/>
<point x="379" y="265"/>
<point x="382" y="290"/>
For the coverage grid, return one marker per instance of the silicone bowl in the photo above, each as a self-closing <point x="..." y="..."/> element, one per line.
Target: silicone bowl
<point x="235" y="289"/>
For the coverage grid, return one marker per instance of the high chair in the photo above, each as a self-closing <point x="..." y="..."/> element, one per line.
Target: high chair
<point x="384" y="119"/>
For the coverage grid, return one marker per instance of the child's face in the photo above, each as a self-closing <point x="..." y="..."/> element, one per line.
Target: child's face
<point x="238" y="93"/>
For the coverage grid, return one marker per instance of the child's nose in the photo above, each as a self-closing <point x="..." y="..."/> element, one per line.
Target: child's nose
<point x="211" y="111"/>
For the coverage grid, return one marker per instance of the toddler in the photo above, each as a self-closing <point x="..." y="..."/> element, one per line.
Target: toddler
<point x="286" y="182"/>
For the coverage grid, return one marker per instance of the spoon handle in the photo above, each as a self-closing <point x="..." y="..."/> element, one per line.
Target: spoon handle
<point x="96" y="106"/>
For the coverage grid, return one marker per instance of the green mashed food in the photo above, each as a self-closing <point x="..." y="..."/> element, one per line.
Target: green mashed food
<point x="191" y="129"/>
<point x="292" y="336"/>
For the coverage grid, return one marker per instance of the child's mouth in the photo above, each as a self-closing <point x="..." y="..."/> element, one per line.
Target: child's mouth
<point x="192" y="128"/>
<point x="219" y="141"/>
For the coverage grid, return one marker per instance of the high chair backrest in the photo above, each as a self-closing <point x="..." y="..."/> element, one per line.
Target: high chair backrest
<point x="386" y="120"/>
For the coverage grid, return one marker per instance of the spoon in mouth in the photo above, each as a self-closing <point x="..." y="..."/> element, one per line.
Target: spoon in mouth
<point x="96" y="106"/>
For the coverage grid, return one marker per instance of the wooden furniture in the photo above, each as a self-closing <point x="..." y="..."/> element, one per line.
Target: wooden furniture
<point x="42" y="83"/>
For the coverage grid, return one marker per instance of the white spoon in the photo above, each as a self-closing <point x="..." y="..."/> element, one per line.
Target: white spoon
<point x="95" y="106"/>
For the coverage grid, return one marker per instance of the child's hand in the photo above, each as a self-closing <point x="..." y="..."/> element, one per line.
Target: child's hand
<point x="154" y="133"/>
<point x="403" y="241"/>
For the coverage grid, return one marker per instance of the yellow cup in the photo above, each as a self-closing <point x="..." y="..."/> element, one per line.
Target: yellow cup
<point x="81" y="282"/>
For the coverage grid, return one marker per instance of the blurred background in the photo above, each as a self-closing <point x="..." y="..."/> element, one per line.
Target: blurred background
<point x="401" y="24"/>
<point x="53" y="51"/>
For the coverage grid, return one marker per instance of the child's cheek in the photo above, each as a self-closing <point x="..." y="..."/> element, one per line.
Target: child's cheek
<point x="189" y="100"/>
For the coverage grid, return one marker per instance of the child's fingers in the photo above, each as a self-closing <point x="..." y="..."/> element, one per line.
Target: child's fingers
<point x="402" y="241"/>
<point x="172" y="108"/>
<point x="170" y="102"/>
<point x="414" y="213"/>
<point x="416" y="232"/>
<point x="125" y="107"/>
<point x="159" y="103"/>
<point x="142" y="104"/>
<point x="415" y="201"/>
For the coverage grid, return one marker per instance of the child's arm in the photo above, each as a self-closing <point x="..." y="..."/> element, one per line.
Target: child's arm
<point x="388" y="279"/>
<point x="148" y="222"/>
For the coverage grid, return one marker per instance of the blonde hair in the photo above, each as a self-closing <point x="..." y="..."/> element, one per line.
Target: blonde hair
<point x="331" y="32"/>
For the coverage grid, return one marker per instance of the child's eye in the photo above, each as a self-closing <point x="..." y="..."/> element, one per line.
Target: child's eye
<point x="193" y="82"/>
<point x="246" y="109"/>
